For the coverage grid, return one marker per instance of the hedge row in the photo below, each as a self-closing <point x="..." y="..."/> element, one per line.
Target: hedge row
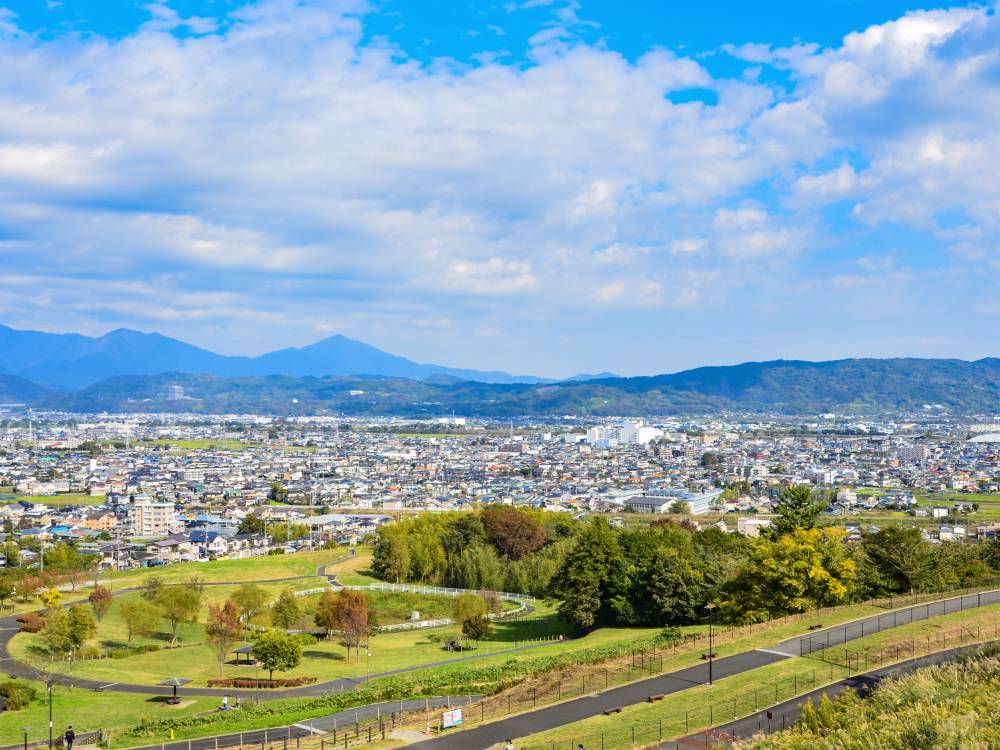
<point x="243" y="682"/>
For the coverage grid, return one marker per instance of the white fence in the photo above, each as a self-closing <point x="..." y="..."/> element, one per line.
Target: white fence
<point x="414" y="588"/>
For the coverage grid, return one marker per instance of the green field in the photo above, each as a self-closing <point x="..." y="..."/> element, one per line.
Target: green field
<point x="61" y="500"/>
<point x="224" y="445"/>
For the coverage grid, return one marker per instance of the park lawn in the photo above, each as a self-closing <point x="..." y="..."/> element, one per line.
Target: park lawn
<point x="88" y="710"/>
<point x="689" y="710"/>
<point x="249" y="569"/>
<point x="324" y="660"/>
<point x="62" y="500"/>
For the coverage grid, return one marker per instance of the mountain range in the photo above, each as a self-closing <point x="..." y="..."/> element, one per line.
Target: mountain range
<point x="72" y="360"/>
<point x="130" y="371"/>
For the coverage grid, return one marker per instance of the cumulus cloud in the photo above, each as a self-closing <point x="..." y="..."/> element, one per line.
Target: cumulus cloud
<point x="275" y="157"/>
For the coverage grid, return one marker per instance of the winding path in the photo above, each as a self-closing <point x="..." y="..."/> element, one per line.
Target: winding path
<point x="9" y="627"/>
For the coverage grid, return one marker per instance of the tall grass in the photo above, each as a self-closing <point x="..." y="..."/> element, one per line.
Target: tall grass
<point x="951" y="706"/>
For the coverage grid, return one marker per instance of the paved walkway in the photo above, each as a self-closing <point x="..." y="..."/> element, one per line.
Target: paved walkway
<point x="543" y="719"/>
<point x="785" y="714"/>
<point x="9" y="627"/>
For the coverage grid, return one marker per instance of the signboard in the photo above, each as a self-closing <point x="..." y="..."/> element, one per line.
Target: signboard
<point x="451" y="718"/>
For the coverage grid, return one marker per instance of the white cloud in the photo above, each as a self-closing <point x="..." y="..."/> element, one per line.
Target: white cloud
<point x="274" y="149"/>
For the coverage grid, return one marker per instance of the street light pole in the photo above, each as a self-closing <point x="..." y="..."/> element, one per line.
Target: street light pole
<point x="50" y="712"/>
<point x="711" y="650"/>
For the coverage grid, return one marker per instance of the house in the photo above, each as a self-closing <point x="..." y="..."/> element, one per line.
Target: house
<point x="174" y="548"/>
<point x="100" y="520"/>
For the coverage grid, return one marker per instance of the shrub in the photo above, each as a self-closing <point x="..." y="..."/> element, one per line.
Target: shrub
<point x="126" y="651"/>
<point x="31" y="622"/>
<point x="17" y="694"/>
<point x="668" y="637"/>
<point x="307" y="639"/>
<point x="244" y="682"/>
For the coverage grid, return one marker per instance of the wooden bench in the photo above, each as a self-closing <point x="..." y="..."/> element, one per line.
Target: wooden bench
<point x="816" y="626"/>
<point x="615" y="710"/>
<point x="657" y="697"/>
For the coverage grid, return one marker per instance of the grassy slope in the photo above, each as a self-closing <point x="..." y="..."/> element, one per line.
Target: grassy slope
<point x="805" y="671"/>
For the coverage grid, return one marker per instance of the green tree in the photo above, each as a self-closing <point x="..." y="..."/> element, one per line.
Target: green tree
<point x="6" y="591"/>
<point x="222" y="630"/>
<point x="391" y="558"/>
<point x="140" y="617"/>
<point x="476" y="628"/>
<point x="896" y="559"/>
<point x="56" y="632"/>
<point x="277" y="651"/>
<point x="179" y="605"/>
<point x="277" y="493"/>
<point x="680" y="508"/>
<point x="802" y="570"/>
<point x="251" y="524"/>
<point x="796" y="509"/>
<point x="285" y="611"/>
<point x="100" y="601"/>
<point x="154" y="584"/>
<point x="249" y="598"/>
<point x="82" y="626"/>
<point x="468" y="606"/>
<point x="593" y="578"/>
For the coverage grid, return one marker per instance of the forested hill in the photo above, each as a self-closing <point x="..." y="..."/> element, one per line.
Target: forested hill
<point x="861" y="386"/>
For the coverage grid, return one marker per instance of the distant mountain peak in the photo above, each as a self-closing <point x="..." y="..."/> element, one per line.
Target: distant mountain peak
<point x="75" y="360"/>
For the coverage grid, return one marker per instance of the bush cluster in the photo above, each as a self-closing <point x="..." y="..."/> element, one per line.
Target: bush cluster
<point x="31" y="622"/>
<point x="17" y="695"/>
<point x="243" y="682"/>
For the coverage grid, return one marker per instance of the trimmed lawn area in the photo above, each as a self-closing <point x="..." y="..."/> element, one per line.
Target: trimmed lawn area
<point x="325" y="660"/>
<point x="61" y="500"/>
<point x="249" y="569"/>
<point x="87" y="711"/>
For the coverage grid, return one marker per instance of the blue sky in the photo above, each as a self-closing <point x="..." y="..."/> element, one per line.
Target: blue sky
<point x="536" y="186"/>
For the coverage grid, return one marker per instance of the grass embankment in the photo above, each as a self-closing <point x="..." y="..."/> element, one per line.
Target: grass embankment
<point x="947" y="706"/>
<point x="700" y="707"/>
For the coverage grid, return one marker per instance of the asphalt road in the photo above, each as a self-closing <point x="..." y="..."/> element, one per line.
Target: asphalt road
<point x="568" y="712"/>
<point x="345" y="721"/>
<point x="786" y="714"/>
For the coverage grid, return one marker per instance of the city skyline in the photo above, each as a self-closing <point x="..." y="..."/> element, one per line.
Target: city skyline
<point x="537" y="187"/>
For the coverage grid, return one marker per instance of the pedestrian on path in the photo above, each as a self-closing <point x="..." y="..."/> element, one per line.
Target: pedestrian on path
<point x="509" y="745"/>
<point x="225" y="703"/>
<point x="69" y="737"/>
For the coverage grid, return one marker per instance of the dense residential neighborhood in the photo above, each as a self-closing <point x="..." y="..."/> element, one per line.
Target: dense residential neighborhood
<point x="152" y="490"/>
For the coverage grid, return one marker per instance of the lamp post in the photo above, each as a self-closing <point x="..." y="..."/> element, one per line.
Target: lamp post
<point x="368" y="655"/>
<point x="49" y="684"/>
<point x="711" y="653"/>
<point x="25" y="730"/>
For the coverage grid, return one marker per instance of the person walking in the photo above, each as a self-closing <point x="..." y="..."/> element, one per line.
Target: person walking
<point x="509" y="745"/>
<point x="69" y="737"/>
<point x="225" y="703"/>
